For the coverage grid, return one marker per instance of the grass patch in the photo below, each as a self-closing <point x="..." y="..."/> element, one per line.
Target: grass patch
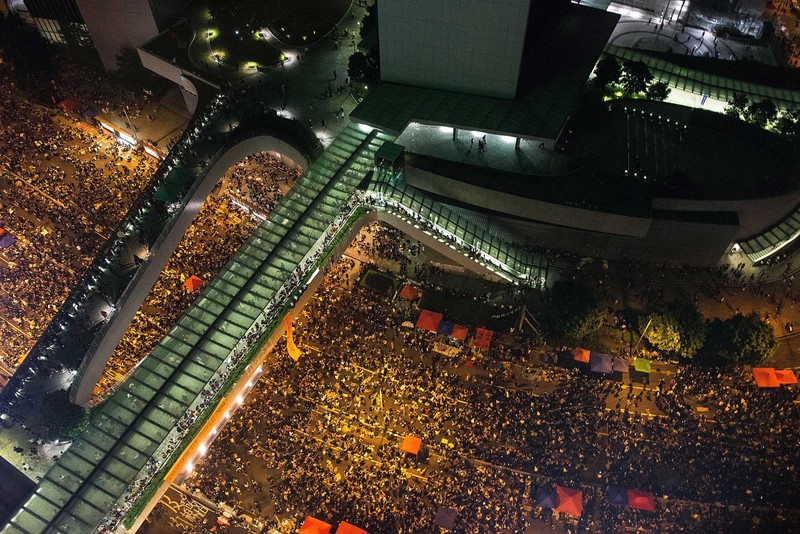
<point x="466" y="310"/>
<point x="379" y="282"/>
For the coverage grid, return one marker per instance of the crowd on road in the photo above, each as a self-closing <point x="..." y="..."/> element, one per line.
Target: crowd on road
<point x="322" y="436"/>
<point x="65" y="187"/>
<point x="245" y="195"/>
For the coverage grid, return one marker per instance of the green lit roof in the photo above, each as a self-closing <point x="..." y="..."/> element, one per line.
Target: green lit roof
<point x="697" y="81"/>
<point x="556" y="63"/>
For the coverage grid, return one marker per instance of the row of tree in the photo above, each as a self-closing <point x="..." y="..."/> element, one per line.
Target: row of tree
<point x="764" y="113"/>
<point x="571" y="312"/>
<point x="631" y="79"/>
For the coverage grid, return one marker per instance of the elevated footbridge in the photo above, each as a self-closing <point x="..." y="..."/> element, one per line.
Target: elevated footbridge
<point x="139" y="430"/>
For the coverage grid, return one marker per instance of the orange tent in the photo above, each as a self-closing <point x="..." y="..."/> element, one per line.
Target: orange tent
<point x="570" y="501"/>
<point x="765" y="377"/>
<point x="411" y="444"/>
<point x="483" y="338"/>
<point x="785" y="376"/>
<point x="193" y="283"/>
<point x="459" y="332"/>
<point x="643" y="500"/>
<point x="581" y="355"/>
<point x="409" y="292"/>
<point x="429" y="321"/>
<point x="312" y="525"/>
<point x="347" y="528"/>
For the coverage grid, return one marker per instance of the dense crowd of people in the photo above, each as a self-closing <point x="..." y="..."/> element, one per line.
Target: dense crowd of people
<point x="64" y="189"/>
<point x="322" y="436"/>
<point x="245" y="195"/>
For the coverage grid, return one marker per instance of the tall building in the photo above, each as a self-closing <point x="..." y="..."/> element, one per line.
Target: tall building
<point x="108" y="25"/>
<point x="470" y="46"/>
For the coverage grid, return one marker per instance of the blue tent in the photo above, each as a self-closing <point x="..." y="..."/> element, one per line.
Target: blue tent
<point x="445" y="328"/>
<point x="546" y="497"/>
<point x="600" y="363"/>
<point x="617" y="496"/>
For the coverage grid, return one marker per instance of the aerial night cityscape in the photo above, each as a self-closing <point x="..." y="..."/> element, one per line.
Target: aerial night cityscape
<point x="399" y="266"/>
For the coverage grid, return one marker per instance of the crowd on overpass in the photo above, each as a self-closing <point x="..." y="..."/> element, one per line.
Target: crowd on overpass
<point x="322" y="436"/>
<point x="245" y="195"/>
<point x="65" y="187"/>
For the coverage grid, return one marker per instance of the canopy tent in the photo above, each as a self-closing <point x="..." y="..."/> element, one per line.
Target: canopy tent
<point x="620" y="365"/>
<point x="617" y="496"/>
<point x="445" y="328"/>
<point x="643" y="500"/>
<point x="429" y="320"/>
<point x="600" y="363"/>
<point x="570" y="500"/>
<point x="411" y="444"/>
<point x="445" y="518"/>
<point x="765" y="377"/>
<point x="312" y="525"/>
<point x="346" y="528"/>
<point x="641" y="365"/>
<point x="546" y="497"/>
<point x="68" y="104"/>
<point x="409" y="292"/>
<point x="407" y="324"/>
<point x="580" y="355"/>
<point x="785" y="376"/>
<point x="483" y="338"/>
<point x="193" y="283"/>
<point x="459" y="332"/>
<point x="6" y="239"/>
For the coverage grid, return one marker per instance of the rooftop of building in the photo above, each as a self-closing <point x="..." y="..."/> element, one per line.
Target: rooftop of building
<point x="557" y="60"/>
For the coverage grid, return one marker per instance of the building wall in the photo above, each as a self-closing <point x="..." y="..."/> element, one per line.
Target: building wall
<point x="117" y="24"/>
<point x="527" y="208"/>
<point x="468" y="46"/>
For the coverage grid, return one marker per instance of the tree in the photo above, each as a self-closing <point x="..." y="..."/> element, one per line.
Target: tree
<point x="761" y="113"/>
<point x="658" y="91"/>
<point x="32" y="56"/>
<point x="737" y="105"/>
<point x="788" y="124"/>
<point x="63" y="419"/>
<point x="608" y="71"/>
<point x="677" y="329"/>
<point x="571" y="311"/>
<point x="635" y="77"/>
<point x="742" y="339"/>
<point x="363" y="69"/>
<point x="661" y="331"/>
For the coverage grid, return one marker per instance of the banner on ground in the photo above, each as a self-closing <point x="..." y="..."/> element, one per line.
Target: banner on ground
<point x="294" y="352"/>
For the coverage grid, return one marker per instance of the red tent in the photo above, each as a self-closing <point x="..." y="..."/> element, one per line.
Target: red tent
<point x="347" y="528"/>
<point x="429" y="321"/>
<point x="785" y="376"/>
<point x="459" y="332"/>
<point x="68" y="104"/>
<point x="193" y="283"/>
<point x="409" y="292"/>
<point x="483" y="338"/>
<point x="765" y="377"/>
<point x="411" y="444"/>
<point x="581" y="355"/>
<point x="643" y="500"/>
<point x="312" y="525"/>
<point x="570" y="501"/>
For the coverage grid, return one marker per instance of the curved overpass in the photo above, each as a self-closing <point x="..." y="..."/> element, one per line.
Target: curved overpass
<point x="136" y="432"/>
<point x="94" y="362"/>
